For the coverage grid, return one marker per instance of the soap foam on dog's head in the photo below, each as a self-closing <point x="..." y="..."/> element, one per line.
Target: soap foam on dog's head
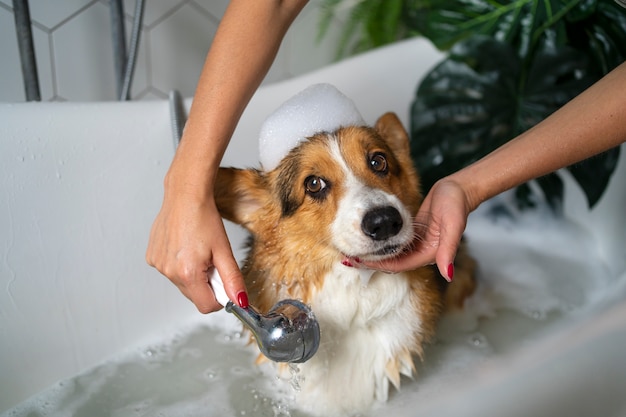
<point x="319" y="108"/>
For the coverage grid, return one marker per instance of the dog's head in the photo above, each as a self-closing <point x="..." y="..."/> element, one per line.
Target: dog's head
<point x="352" y="192"/>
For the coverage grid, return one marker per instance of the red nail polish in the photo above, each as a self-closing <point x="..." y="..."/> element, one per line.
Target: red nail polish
<point x="450" y="272"/>
<point x="242" y="299"/>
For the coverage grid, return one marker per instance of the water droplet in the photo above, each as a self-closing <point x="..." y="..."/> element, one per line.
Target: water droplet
<point x="538" y="314"/>
<point x="478" y="340"/>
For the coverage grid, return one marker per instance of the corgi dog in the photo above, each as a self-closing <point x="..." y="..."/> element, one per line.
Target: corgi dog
<point x="337" y="196"/>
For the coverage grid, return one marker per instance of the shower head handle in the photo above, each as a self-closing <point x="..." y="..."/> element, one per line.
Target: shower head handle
<point x="289" y="332"/>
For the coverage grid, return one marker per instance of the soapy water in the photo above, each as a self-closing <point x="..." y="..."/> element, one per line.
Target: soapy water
<point x="534" y="273"/>
<point x="206" y="370"/>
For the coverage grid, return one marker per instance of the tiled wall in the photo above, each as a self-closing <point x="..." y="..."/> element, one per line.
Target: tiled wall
<point x="74" y="52"/>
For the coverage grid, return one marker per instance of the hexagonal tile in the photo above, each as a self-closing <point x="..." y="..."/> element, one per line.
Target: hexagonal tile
<point x="178" y="48"/>
<point x="77" y="50"/>
<point x="52" y="13"/>
<point x="83" y="56"/>
<point x="214" y="7"/>
<point x="154" y="10"/>
<point x="43" y="56"/>
<point x="152" y="94"/>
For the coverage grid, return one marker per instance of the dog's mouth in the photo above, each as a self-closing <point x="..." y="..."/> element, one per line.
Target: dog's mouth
<point x="386" y="252"/>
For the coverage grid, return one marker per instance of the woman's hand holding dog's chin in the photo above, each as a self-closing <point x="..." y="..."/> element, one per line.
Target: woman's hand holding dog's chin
<point x="187" y="238"/>
<point x="440" y="224"/>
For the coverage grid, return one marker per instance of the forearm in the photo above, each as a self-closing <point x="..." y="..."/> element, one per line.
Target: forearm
<point x="591" y="123"/>
<point x="242" y="52"/>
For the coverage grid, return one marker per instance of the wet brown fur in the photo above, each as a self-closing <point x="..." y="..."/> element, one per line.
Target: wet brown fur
<point x="290" y="249"/>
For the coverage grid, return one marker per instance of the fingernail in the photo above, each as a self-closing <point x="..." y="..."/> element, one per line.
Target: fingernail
<point x="242" y="299"/>
<point x="346" y="262"/>
<point x="450" y="272"/>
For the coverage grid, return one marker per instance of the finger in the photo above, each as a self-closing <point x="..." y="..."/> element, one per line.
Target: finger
<point x="232" y="278"/>
<point x="201" y="295"/>
<point x="449" y="241"/>
<point x="408" y="261"/>
<point x="191" y="279"/>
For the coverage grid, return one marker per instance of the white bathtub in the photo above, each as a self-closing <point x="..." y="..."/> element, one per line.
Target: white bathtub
<point x="82" y="182"/>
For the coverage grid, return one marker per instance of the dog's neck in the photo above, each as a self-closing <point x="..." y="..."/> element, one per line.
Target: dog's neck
<point x="364" y="273"/>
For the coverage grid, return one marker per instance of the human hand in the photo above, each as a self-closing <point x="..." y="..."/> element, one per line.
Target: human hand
<point x="186" y="240"/>
<point x="439" y="226"/>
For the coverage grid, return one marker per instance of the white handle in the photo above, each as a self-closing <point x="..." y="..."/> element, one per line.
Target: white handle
<point x="218" y="287"/>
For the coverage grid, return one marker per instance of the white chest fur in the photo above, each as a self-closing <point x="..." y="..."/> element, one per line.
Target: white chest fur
<point x="363" y="329"/>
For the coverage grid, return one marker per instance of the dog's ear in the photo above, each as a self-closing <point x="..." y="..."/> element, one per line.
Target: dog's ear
<point x="390" y="128"/>
<point x="239" y="194"/>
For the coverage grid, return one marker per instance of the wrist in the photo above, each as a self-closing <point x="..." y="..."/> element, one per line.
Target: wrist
<point x="195" y="165"/>
<point x="472" y="190"/>
<point x="192" y="178"/>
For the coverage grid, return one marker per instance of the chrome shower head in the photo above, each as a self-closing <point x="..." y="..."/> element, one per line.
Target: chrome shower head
<point x="289" y="332"/>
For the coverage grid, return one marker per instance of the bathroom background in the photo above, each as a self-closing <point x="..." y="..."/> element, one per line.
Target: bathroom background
<point x="74" y="48"/>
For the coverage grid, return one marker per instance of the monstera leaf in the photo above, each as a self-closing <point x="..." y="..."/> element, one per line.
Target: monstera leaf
<point x="511" y="64"/>
<point x="517" y="22"/>
<point x="483" y="95"/>
<point x="602" y="33"/>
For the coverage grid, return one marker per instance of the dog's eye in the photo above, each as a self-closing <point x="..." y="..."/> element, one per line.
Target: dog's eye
<point x="378" y="163"/>
<point x="314" y="184"/>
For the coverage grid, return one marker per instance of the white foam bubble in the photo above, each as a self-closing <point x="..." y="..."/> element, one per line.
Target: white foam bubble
<point x="318" y="108"/>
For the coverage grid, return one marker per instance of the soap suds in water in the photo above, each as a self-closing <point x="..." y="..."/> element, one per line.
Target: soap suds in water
<point x="319" y="108"/>
<point x="533" y="270"/>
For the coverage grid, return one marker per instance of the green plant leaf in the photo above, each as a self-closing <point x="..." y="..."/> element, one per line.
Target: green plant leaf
<point x="593" y="174"/>
<point x="537" y="55"/>
<point x="553" y="191"/>
<point x="327" y="13"/>
<point x="521" y="23"/>
<point x="445" y="22"/>
<point x="482" y="96"/>
<point x="602" y="34"/>
<point x="369" y="24"/>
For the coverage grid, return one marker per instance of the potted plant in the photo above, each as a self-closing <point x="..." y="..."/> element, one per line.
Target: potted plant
<point x="509" y="65"/>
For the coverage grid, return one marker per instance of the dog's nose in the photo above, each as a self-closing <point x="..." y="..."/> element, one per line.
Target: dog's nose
<point x="382" y="223"/>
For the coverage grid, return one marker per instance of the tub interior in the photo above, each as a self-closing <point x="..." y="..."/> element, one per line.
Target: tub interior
<point x="87" y="327"/>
